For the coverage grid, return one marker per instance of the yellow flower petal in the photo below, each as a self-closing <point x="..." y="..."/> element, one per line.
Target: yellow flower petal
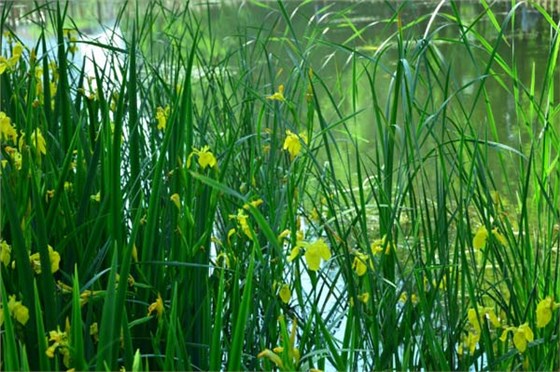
<point x="473" y="319"/>
<point x="176" y="200"/>
<point x="520" y="341"/>
<point x="266" y="353"/>
<point x="293" y="143"/>
<point x="156" y="306"/>
<point x="479" y="240"/>
<point x="364" y="297"/>
<point x="313" y="260"/>
<point x="7" y="131"/>
<point x="359" y="264"/>
<point x="5" y="253"/>
<point x="285" y="293"/>
<point x="294" y="253"/>
<point x="54" y="257"/>
<point x="499" y="237"/>
<point x="544" y="312"/>
<point x="316" y="251"/>
<point x="278" y="96"/>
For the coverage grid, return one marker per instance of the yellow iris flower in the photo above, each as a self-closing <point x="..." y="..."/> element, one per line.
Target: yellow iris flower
<point x="241" y="219"/>
<point x="176" y="199"/>
<point x="293" y="143"/>
<point x="278" y="96"/>
<point x="316" y="251"/>
<point x="54" y="258"/>
<point x="6" y="128"/>
<point x="5" y="253"/>
<point x="359" y="265"/>
<point x="156" y="306"/>
<point x="544" y="311"/>
<point x="17" y="310"/>
<point x="285" y="293"/>
<point x="522" y="335"/>
<point x="205" y="157"/>
<point x="60" y="341"/>
<point x="161" y="116"/>
<point x="481" y="236"/>
<point x="289" y="360"/>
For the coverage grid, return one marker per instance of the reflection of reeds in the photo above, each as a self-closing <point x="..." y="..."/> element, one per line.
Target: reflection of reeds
<point x="205" y="218"/>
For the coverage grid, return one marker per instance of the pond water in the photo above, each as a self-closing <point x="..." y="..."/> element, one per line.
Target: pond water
<point x="329" y="34"/>
<point x="336" y="26"/>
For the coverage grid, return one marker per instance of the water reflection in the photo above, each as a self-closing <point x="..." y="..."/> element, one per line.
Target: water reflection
<point x="340" y="26"/>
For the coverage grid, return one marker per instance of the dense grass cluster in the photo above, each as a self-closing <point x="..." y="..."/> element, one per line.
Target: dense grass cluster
<point x="198" y="203"/>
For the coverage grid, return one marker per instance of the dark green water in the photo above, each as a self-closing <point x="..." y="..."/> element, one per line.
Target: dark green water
<point x="340" y="39"/>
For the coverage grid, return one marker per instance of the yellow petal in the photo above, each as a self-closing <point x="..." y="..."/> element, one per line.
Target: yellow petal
<point x="323" y="249"/>
<point x="472" y="340"/>
<point x="266" y="353"/>
<point x="54" y="257"/>
<point x="359" y="265"/>
<point x="21" y="313"/>
<point x="313" y="260"/>
<point x="176" y="200"/>
<point x="499" y="237"/>
<point x="527" y="332"/>
<point x="294" y="253"/>
<point x="285" y="293"/>
<point x="493" y="318"/>
<point x="473" y="319"/>
<point x="364" y="297"/>
<point x="544" y="312"/>
<point x="156" y="306"/>
<point x="503" y="337"/>
<point x="479" y="240"/>
<point x="520" y="341"/>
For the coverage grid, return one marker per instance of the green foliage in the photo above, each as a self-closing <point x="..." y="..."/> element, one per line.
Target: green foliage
<point x="199" y="202"/>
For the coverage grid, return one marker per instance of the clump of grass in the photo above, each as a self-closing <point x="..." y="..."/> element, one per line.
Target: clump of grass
<point x="187" y="202"/>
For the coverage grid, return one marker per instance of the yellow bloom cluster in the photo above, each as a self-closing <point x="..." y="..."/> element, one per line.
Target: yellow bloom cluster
<point x="403" y="298"/>
<point x="521" y="336"/>
<point x="285" y="293"/>
<point x="37" y="141"/>
<point x="205" y="157"/>
<point x="71" y="36"/>
<point x="293" y="143"/>
<point x="60" y="342"/>
<point x="360" y="263"/>
<point x="162" y="114"/>
<point x="364" y="297"/>
<point x="11" y="63"/>
<point x="241" y="217"/>
<point x="481" y="237"/>
<point x="84" y="295"/>
<point x="7" y="131"/>
<point x="544" y="311"/>
<point x="17" y="310"/>
<point x="314" y="252"/>
<point x="474" y="318"/>
<point x="284" y="358"/>
<point x="5" y="253"/>
<point x="54" y="258"/>
<point x="156" y="306"/>
<point x="15" y="155"/>
<point x="278" y="96"/>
